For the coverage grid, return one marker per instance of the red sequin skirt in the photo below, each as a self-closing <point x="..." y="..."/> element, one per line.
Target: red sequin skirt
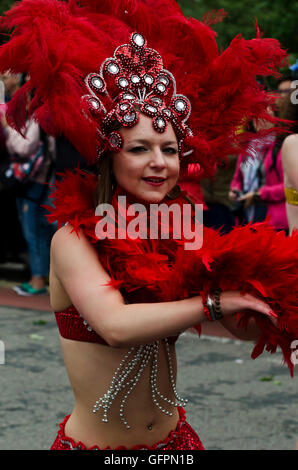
<point x="182" y="438"/>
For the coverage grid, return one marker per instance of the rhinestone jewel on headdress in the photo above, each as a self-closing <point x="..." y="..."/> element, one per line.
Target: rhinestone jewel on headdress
<point x="130" y="82"/>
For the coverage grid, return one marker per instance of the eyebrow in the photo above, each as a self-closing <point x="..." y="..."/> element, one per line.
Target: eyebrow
<point x="144" y="141"/>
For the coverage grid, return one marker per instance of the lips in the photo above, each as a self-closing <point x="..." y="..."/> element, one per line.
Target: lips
<point x="154" y="179"/>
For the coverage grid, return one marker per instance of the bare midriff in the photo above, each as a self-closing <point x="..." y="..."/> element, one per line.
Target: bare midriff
<point x="90" y="370"/>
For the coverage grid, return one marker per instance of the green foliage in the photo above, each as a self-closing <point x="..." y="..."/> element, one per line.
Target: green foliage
<point x="5" y="5"/>
<point x="276" y="19"/>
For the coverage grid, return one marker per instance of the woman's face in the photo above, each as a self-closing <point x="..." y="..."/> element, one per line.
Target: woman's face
<point x="147" y="166"/>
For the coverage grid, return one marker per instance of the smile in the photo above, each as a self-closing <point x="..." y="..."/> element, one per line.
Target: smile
<point x="154" y="180"/>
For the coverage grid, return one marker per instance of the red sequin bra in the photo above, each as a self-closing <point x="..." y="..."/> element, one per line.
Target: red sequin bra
<point x="72" y="325"/>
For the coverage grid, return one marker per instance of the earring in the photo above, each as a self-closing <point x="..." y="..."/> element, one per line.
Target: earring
<point x="113" y="180"/>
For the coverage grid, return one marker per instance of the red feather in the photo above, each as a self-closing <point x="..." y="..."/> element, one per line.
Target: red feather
<point x="254" y="259"/>
<point x="59" y="43"/>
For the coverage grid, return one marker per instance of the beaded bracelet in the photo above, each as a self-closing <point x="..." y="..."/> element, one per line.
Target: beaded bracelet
<point x="206" y="309"/>
<point x="216" y="304"/>
<point x="211" y="304"/>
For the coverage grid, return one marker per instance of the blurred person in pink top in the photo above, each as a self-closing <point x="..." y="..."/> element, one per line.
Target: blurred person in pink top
<point x="271" y="191"/>
<point x="248" y="177"/>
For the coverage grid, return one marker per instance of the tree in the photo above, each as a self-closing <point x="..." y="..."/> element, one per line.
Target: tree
<point x="276" y="19"/>
<point x="5" y="5"/>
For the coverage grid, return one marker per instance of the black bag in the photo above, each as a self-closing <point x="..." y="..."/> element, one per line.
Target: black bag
<point x="16" y="171"/>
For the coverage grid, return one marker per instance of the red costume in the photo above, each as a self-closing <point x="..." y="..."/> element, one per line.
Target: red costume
<point x="166" y="271"/>
<point x="161" y="270"/>
<point x="84" y="84"/>
<point x="182" y="438"/>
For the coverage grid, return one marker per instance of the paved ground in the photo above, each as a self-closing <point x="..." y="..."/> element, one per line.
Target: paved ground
<point x="234" y="402"/>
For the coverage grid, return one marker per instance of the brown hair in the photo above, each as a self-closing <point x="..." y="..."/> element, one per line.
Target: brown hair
<point x="105" y="182"/>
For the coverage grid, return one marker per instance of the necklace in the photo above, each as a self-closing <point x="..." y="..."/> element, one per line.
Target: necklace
<point x="127" y="376"/>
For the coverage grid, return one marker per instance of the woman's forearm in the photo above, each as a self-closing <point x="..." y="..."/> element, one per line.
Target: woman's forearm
<point x="124" y="325"/>
<point x="145" y="323"/>
<point x="24" y="147"/>
<point x="160" y="320"/>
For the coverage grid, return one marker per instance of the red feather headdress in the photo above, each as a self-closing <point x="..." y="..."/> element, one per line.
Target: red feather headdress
<point x="60" y="43"/>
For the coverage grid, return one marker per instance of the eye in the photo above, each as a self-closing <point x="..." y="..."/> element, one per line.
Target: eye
<point x="170" y="150"/>
<point x="138" y="149"/>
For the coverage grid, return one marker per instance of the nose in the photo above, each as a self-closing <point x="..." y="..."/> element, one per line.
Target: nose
<point x="157" y="159"/>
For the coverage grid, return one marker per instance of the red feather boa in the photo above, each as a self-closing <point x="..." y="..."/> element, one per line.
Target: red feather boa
<point x="253" y="259"/>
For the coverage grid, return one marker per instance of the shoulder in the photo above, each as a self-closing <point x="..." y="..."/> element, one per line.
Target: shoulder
<point x="289" y="150"/>
<point x="290" y="144"/>
<point x="289" y="157"/>
<point x="75" y="263"/>
<point x="32" y="126"/>
<point x="66" y="235"/>
<point x="69" y="246"/>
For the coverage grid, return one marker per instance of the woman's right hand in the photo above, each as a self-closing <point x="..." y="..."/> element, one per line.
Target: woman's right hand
<point x="3" y="118"/>
<point x="233" y="195"/>
<point x="232" y="302"/>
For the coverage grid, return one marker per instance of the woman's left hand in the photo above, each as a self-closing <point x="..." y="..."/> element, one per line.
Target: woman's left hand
<point x="3" y="119"/>
<point x="248" y="198"/>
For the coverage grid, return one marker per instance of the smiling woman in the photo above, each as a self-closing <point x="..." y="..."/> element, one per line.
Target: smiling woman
<point x="144" y="166"/>
<point x="135" y="332"/>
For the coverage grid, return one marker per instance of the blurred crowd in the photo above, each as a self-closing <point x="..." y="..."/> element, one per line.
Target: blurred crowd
<point x="29" y="166"/>
<point x="249" y="188"/>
